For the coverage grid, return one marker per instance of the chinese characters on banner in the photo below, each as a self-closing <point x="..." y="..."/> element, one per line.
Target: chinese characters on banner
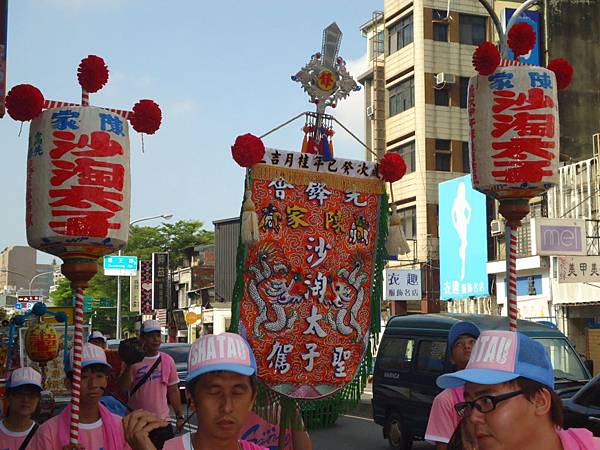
<point x="146" y="287"/>
<point x="160" y="281"/>
<point x="402" y="284"/>
<point x="306" y="307"/>
<point x="579" y="269"/>
<point x="513" y="117"/>
<point x="78" y="185"/>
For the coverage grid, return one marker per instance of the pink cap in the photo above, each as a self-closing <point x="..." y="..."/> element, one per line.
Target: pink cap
<point x="25" y="376"/>
<point x="92" y="354"/>
<point x="226" y="351"/>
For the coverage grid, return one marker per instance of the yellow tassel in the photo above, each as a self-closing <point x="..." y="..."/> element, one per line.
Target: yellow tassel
<point x="249" y="231"/>
<point x="305" y="143"/>
<point x="396" y="241"/>
<point x="331" y="146"/>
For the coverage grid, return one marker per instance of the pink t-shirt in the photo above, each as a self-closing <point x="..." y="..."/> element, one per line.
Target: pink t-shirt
<point x="184" y="442"/>
<point x="91" y="435"/>
<point x="443" y="418"/>
<point x="261" y="432"/>
<point x="152" y="396"/>
<point x="12" y="440"/>
<point x="578" y="439"/>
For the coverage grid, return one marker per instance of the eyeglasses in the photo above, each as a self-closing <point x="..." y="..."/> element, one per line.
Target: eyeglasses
<point x="484" y="404"/>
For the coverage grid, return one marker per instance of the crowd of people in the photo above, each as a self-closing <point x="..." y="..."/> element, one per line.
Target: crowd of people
<point x="501" y="397"/>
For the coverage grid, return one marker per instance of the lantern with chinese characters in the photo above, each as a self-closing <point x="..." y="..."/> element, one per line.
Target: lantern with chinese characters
<point x="78" y="183"/>
<point x="41" y="342"/>
<point x="514" y="132"/>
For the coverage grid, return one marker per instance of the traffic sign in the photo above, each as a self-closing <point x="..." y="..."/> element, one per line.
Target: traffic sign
<point x="124" y="266"/>
<point x="26" y="302"/>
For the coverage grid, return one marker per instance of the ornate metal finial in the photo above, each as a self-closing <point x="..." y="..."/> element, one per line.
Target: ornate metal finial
<point x="325" y="78"/>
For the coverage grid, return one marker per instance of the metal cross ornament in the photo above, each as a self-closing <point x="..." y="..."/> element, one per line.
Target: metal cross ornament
<point x="325" y="78"/>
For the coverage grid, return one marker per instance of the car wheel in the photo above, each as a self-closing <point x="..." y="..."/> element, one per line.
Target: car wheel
<point x="396" y="434"/>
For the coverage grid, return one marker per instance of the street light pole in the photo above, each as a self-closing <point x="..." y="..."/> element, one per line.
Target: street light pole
<point x="38" y="275"/>
<point x="160" y="216"/>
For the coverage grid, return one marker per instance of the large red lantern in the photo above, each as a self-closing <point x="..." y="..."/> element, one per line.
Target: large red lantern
<point x="41" y="342"/>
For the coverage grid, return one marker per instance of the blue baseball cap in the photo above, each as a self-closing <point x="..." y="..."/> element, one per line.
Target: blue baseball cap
<point x="461" y="328"/>
<point x="149" y="326"/>
<point x="501" y="356"/>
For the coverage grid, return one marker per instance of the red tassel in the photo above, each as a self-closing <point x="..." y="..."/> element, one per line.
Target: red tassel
<point x="312" y="147"/>
<point x="305" y="143"/>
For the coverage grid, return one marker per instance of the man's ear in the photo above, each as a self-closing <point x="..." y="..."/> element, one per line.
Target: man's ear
<point x="542" y="400"/>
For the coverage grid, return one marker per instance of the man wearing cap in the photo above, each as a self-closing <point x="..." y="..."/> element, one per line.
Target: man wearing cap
<point x="443" y="418"/>
<point x="151" y="392"/>
<point x="99" y="429"/>
<point x="509" y="396"/>
<point x="97" y="338"/>
<point x="23" y="393"/>
<point x="221" y="387"/>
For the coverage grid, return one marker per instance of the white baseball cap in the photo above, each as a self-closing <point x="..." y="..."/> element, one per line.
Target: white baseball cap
<point x="25" y="376"/>
<point x="97" y="335"/>
<point x="150" y="325"/>
<point x="90" y="354"/>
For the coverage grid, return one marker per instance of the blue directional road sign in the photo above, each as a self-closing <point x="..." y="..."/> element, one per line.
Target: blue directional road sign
<point x="125" y="266"/>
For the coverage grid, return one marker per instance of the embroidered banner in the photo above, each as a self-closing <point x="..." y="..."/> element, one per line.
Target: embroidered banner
<point x="305" y="306"/>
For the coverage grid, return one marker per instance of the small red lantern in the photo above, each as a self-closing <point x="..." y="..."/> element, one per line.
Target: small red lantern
<point x="41" y="342"/>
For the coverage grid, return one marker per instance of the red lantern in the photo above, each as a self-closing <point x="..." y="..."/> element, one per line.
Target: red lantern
<point x="41" y="342"/>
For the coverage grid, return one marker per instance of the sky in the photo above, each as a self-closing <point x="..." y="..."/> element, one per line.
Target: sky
<point x="218" y="69"/>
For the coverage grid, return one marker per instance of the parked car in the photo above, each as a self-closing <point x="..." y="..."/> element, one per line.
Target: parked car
<point x="179" y="352"/>
<point x="413" y="353"/>
<point x="582" y="410"/>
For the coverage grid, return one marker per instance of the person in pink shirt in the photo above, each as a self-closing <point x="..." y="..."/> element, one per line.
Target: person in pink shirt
<point x="153" y="393"/>
<point x="99" y="429"/>
<point x="509" y="396"/>
<point x="23" y="393"/>
<point x="443" y="418"/>
<point x="221" y="388"/>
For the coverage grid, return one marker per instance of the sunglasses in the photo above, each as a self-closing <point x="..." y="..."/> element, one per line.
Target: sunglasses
<point x="484" y="404"/>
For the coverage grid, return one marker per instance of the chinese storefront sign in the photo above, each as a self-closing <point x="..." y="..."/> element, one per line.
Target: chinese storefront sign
<point x="134" y="293"/>
<point x="160" y="281"/>
<point x="78" y="184"/>
<point x="146" y="287"/>
<point x="402" y="284"/>
<point x="513" y="118"/>
<point x="306" y="307"/>
<point x="579" y="269"/>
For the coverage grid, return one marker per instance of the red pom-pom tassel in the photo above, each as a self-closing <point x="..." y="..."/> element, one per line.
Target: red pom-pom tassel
<point x="563" y="71"/>
<point x="392" y="167"/>
<point x="248" y="150"/>
<point x="146" y="117"/>
<point x="521" y="38"/>
<point x="92" y="73"/>
<point x="486" y="58"/>
<point x="24" y="102"/>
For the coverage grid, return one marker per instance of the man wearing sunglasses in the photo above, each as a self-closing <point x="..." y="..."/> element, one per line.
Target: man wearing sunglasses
<point x="509" y="396"/>
<point x="443" y="418"/>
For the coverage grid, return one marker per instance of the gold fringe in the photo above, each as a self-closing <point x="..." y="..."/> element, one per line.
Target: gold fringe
<point x="336" y="181"/>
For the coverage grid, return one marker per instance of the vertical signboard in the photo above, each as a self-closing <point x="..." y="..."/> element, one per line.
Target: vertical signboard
<point x="160" y="281"/>
<point x="3" y="41"/>
<point x="134" y="293"/>
<point x="146" y="287"/>
<point x="402" y="284"/>
<point x="463" y="243"/>
<point x="533" y="19"/>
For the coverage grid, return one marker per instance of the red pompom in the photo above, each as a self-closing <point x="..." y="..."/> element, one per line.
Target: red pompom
<point x="146" y="117"/>
<point x="563" y="71"/>
<point x="521" y="38"/>
<point x="392" y="167"/>
<point x="92" y="73"/>
<point x="24" y="102"/>
<point x="486" y="58"/>
<point x="247" y="150"/>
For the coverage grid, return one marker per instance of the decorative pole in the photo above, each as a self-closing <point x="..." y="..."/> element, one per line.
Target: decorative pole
<point x="514" y="130"/>
<point x="78" y="184"/>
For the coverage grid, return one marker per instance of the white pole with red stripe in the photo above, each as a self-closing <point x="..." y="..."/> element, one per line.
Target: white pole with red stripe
<point x="511" y="276"/>
<point x="77" y="351"/>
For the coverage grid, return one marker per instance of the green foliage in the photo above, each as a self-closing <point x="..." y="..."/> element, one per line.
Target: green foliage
<point x="63" y="294"/>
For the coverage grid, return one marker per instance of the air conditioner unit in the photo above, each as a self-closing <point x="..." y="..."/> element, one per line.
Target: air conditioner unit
<point x="370" y="112"/>
<point x="445" y="78"/>
<point x="497" y="227"/>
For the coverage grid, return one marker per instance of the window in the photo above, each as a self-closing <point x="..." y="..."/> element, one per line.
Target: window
<point x="400" y="34"/>
<point x="472" y="29"/>
<point x="395" y="354"/>
<point x="466" y="166"/>
<point x="402" y="96"/>
<point x="464" y="91"/>
<point x="407" y="151"/>
<point x="443" y="155"/>
<point x="440" y="29"/>
<point x="565" y="362"/>
<point x="442" y="98"/>
<point x="431" y="356"/>
<point x="409" y="222"/>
